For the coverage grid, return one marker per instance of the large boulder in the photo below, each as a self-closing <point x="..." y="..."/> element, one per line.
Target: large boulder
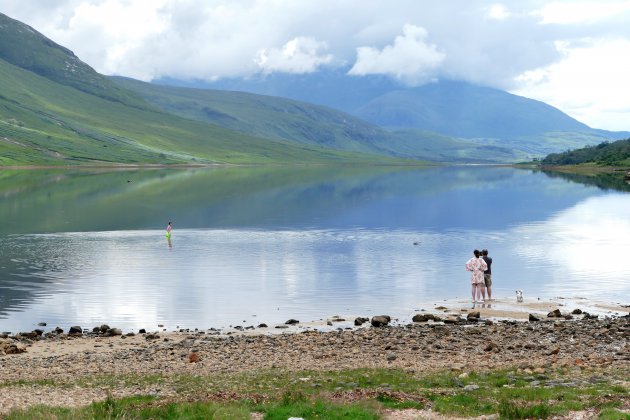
<point x="380" y="320"/>
<point x="75" y="330"/>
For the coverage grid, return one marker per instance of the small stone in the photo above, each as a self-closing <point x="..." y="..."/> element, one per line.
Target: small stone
<point x="391" y="356"/>
<point x="553" y="351"/>
<point x="473" y="316"/>
<point x="420" y="318"/>
<point x="142" y="331"/>
<point x="471" y="387"/>
<point x="263" y="325"/>
<point x="292" y="321"/>
<point x="452" y="319"/>
<point x="41" y="324"/>
<point x="533" y="318"/>
<point x="577" y="312"/>
<point x="360" y="321"/>
<point x="113" y="331"/>
<point x="554" y="314"/>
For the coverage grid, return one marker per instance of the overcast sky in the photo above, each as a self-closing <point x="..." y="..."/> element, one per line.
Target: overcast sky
<point x="574" y="55"/>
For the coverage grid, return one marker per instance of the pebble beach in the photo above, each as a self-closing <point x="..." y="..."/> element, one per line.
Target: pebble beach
<point x="450" y="335"/>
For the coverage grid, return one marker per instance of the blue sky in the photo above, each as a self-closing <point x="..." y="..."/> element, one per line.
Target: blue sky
<point x="574" y="55"/>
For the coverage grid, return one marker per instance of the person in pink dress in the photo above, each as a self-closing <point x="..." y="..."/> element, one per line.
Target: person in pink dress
<point x="476" y="266"/>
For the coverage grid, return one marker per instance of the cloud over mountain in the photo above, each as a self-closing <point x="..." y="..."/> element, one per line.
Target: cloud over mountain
<point x="410" y="58"/>
<point x="494" y="44"/>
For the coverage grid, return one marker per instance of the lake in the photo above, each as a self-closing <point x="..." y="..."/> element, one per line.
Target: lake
<point x="252" y="245"/>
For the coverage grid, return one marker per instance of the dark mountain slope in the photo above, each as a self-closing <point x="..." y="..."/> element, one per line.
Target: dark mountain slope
<point x="26" y="48"/>
<point x="464" y="110"/>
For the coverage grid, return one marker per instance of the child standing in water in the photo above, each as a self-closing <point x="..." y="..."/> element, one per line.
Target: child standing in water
<point x="168" y="230"/>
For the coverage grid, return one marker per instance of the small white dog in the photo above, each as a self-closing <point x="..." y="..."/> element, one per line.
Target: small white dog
<point x="519" y="295"/>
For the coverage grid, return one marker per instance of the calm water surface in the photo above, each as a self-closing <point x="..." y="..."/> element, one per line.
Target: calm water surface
<point x="254" y="245"/>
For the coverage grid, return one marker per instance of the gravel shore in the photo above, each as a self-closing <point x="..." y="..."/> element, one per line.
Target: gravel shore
<point x="465" y="345"/>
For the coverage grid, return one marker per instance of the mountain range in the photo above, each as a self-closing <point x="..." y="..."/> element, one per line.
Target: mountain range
<point x="55" y="109"/>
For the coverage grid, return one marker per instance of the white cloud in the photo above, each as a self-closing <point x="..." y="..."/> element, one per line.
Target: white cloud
<point x="502" y="43"/>
<point x="572" y="12"/>
<point x="410" y="58"/>
<point x="300" y="55"/>
<point x="498" y="12"/>
<point x="589" y="83"/>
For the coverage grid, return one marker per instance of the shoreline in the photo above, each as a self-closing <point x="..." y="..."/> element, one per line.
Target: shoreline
<point x="73" y="370"/>
<point x="456" y="312"/>
<point x="500" y="309"/>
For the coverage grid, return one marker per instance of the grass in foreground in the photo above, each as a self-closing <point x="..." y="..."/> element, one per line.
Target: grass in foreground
<point x="352" y="394"/>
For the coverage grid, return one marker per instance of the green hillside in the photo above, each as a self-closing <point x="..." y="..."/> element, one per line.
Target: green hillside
<point x="43" y="122"/>
<point x="265" y="116"/>
<point x="55" y="109"/>
<point x="605" y="154"/>
<point x="26" y="48"/>
<point x="313" y="124"/>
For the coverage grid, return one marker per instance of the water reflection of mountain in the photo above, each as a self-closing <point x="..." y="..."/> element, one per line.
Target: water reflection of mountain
<point x="608" y="181"/>
<point x="283" y="197"/>
<point x="16" y="292"/>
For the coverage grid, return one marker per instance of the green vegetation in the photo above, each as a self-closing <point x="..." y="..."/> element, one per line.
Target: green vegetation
<point x="56" y="110"/>
<point x="42" y="122"/>
<point x="604" y="154"/>
<point x="305" y="123"/>
<point x="265" y="116"/>
<point x="26" y="48"/>
<point x="350" y="394"/>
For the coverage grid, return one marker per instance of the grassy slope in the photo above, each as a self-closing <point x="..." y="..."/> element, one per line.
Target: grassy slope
<point x="443" y="149"/>
<point x="312" y="124"/>
<point x="44" y="122"/>
<point x="26" y="48"/>
<point x="268" y="116"/>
